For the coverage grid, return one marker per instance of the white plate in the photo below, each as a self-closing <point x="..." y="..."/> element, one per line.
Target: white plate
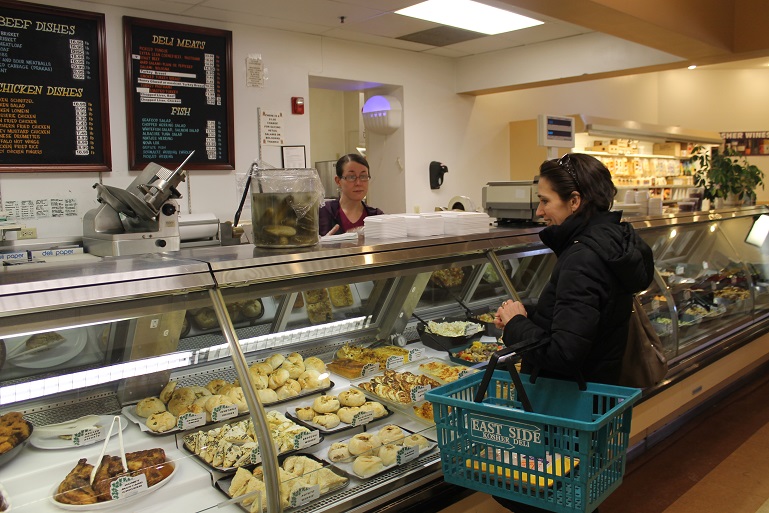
<point x="109" y="504"/>
<point x="76" y="339"/>
<point x="49" y="442"/>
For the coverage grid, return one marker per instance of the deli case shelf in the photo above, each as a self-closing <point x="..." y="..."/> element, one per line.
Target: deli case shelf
<point x="206" y="320"/>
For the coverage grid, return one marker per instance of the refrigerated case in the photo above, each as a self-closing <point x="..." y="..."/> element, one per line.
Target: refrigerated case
<point x="207" y="316"/>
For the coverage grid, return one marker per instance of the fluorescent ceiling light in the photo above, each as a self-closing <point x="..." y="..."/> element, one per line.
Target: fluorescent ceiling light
<point x="469" y="15"/>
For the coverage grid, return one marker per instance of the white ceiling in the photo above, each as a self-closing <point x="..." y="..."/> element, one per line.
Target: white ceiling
<point x="374" y="21"/>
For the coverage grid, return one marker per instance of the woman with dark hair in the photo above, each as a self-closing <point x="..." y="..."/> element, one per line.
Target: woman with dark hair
<point x="583" y="312"/>
<point x="348" y="212"/>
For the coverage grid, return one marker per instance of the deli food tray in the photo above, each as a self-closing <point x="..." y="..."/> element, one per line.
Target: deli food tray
<point x="343" y="426"/>
<point x="305" y="487"/>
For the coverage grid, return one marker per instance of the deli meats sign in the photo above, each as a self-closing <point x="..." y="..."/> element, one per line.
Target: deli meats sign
<point x="508" y="434"/>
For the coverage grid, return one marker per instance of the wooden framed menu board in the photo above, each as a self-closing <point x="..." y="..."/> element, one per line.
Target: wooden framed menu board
<point x="178" y="95"/>
<point x="54" y="109"/>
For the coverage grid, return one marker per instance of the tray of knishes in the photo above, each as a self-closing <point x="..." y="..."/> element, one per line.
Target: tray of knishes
<point x="333" y="413"/>
<point x="229" y="446"/>
<point x="15" y="431"/>
<point x="303" y="479"/>
<point x="368" y="454"/>
<point x="112" y="486"/>
<point x="479" y="351"/>
<point x="276" y="380"/>
<point x="354" y="361"/>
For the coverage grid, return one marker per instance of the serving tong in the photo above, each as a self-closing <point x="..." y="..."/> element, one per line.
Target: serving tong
<point x="119" y="421"/>
<point x="65" y="430"/>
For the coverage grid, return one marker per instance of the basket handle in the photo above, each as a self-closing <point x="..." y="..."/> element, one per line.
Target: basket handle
<point x="506" y="355"/>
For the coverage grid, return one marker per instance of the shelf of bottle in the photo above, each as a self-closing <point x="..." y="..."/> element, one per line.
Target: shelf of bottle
<point x="634" y="155"/>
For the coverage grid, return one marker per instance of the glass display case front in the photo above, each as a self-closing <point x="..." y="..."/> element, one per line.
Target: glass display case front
<point x="315" y="361"/>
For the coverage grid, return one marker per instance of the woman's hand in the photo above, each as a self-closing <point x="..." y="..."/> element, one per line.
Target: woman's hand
<point x="507" y="311"/>
<point x="333" y="230"/>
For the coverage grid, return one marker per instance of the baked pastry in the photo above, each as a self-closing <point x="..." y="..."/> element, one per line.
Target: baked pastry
<point x="319" y="313"/>
<point x="167" y="392"/>
<point x="252" y="309"/>
<point x="161" y="422"/>
<point x="267" y="396"/>
<point x="363" y="443"/>
<point x="327" y="420"/>
<point x="258" y="381"/>
<point x="367" y="466"/>
<point x="389" y="454"/>
<point x="315" y="295"/>
<point x="341" y="296"/>
<point x="148" y="406"/>
<point x="347" y="413"/>
<point x="181" y="399"/>
<point x="43" y="341"/>
<point x="214" y="385"/>
<point x="288" y="390"/>
<point x="305" y="413"/>
<point x="339" y="452"/>
<point x="275" y="360"/>
<point x="294" y="369"/>
<point x="295" y="358"/>
<point x="390" y="433"/>
<point x="14" y="429"/>
<point x="377" y="407"/>
<point x="416" y="440"/>
<point x="263" y="368"/>
<point x="309" y="379"/>
<point x="314" y="363"/>
<point x="278" y="378"/>
<point x="347" y="367"/>
<point x="217" y="400"/>
<point x="352" y="397"/>
<point x="238" y="398"/>
<point x="205" y="318"/>
<point x="326" y="404"/>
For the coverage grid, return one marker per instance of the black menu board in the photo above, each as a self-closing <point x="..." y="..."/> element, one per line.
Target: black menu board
<point x="178" y="95"/>
<point x="53" y="90"/>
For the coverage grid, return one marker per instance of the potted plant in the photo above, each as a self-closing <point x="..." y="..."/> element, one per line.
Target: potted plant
<point x="727" y="175"/>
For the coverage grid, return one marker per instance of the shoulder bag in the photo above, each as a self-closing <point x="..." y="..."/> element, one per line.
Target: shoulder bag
<point x="644" y="363"/>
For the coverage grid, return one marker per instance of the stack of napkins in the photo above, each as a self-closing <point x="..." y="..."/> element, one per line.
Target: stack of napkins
<point x="423" y="225"/>
<point x="386" y="226"/>
<point x="353" y="236"/>
<point x="462" y="223"/>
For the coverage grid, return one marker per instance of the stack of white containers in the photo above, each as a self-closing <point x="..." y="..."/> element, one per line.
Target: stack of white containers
<point x="642" y="198"/>
<point x="386" y="226"/>
<point x="423" y="225"/>
<point x="462" y="223"/>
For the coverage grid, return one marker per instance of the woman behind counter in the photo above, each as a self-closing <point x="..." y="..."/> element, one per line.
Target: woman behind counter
<point x="348" y="212"/>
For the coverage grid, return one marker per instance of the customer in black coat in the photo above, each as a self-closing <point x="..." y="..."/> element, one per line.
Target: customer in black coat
<point x="583" y="312"/>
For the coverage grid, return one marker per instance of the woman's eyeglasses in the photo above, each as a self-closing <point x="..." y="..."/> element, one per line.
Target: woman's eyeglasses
<point x="565" y="162"/>
<point x="352" y="178"/>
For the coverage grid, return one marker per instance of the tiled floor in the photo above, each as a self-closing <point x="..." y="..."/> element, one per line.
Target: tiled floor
<point x="716" y="463"/>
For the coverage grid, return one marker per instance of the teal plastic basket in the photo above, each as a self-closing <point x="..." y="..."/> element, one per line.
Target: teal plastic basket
<point x="567" y="457"/>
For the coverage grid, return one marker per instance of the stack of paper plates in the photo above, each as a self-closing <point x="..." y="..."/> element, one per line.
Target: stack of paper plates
<point x="461" y="223"/>
<point x="387" y="226"/>
<point x="422" y="225"/>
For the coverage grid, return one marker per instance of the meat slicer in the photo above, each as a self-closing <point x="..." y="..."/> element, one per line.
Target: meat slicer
<point x="144" y="218"/>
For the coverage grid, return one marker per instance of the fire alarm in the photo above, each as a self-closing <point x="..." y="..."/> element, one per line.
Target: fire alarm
<point x="297" y="105"/>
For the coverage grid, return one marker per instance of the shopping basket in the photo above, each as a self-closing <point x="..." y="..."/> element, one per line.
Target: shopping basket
<point x="565" y="456"/>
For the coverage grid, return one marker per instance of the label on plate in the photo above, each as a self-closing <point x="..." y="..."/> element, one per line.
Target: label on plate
<point x="191" y="420"/>
<point x="224" y="412"/>
<point x="416" y="354"/>
<point x="362" y="417"/>
<point x="395" y="361"/>
<point x="418" y="392"/>
<point x="465" y="372"/>
<point x="89" y="436"/>
<point x="369" y="369"/>
<point x="680" y="269"/>
<point x="303" y="440"/>
<point x="127" y="486"/>
<point x="256" y="455"/>
<point x="303" y="495"/>
<point x="406" y="454"/>
<point x="655" y="305"/>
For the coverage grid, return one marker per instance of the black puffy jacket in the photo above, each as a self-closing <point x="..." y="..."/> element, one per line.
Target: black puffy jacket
<point x="583" y="311"/>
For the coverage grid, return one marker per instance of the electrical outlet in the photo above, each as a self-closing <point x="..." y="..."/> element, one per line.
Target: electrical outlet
<point x="28" y="233"/>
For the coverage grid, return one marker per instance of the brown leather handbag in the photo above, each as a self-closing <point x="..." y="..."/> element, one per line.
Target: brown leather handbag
<point x="644" y="363"/>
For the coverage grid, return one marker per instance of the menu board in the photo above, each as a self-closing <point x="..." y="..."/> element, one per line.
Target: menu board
<point x="178" y="95"/>
<point x="53" y="90"/>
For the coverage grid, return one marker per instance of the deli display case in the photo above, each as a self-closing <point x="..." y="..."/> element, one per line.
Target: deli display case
<point x="259" y="378"/>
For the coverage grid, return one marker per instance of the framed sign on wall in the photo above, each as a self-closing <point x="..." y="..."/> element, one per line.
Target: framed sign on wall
<point x="54" y="107"/>
<point x="178" y="95"/>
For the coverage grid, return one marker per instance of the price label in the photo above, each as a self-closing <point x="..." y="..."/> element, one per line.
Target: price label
<point x="89" y="436"/>
<point x="655" y="305"/>
<point x="191" y="420"/>
<point x="465" y="372"/>
<point x="369" y="370"/>
<point x="303" y="440"/>
<point x="361" y="418"/>
<point x="395" y="361"/>
<point x="224" y="412"/>
<point x="406" y="454"/>
<point x="303" y="495"/>
<point x="418" y="392"/>
<point x="127" y="486"/>
<point x="680" y="269"/>
<point x="416" y="354"/>
<point x="687" y="295"/>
